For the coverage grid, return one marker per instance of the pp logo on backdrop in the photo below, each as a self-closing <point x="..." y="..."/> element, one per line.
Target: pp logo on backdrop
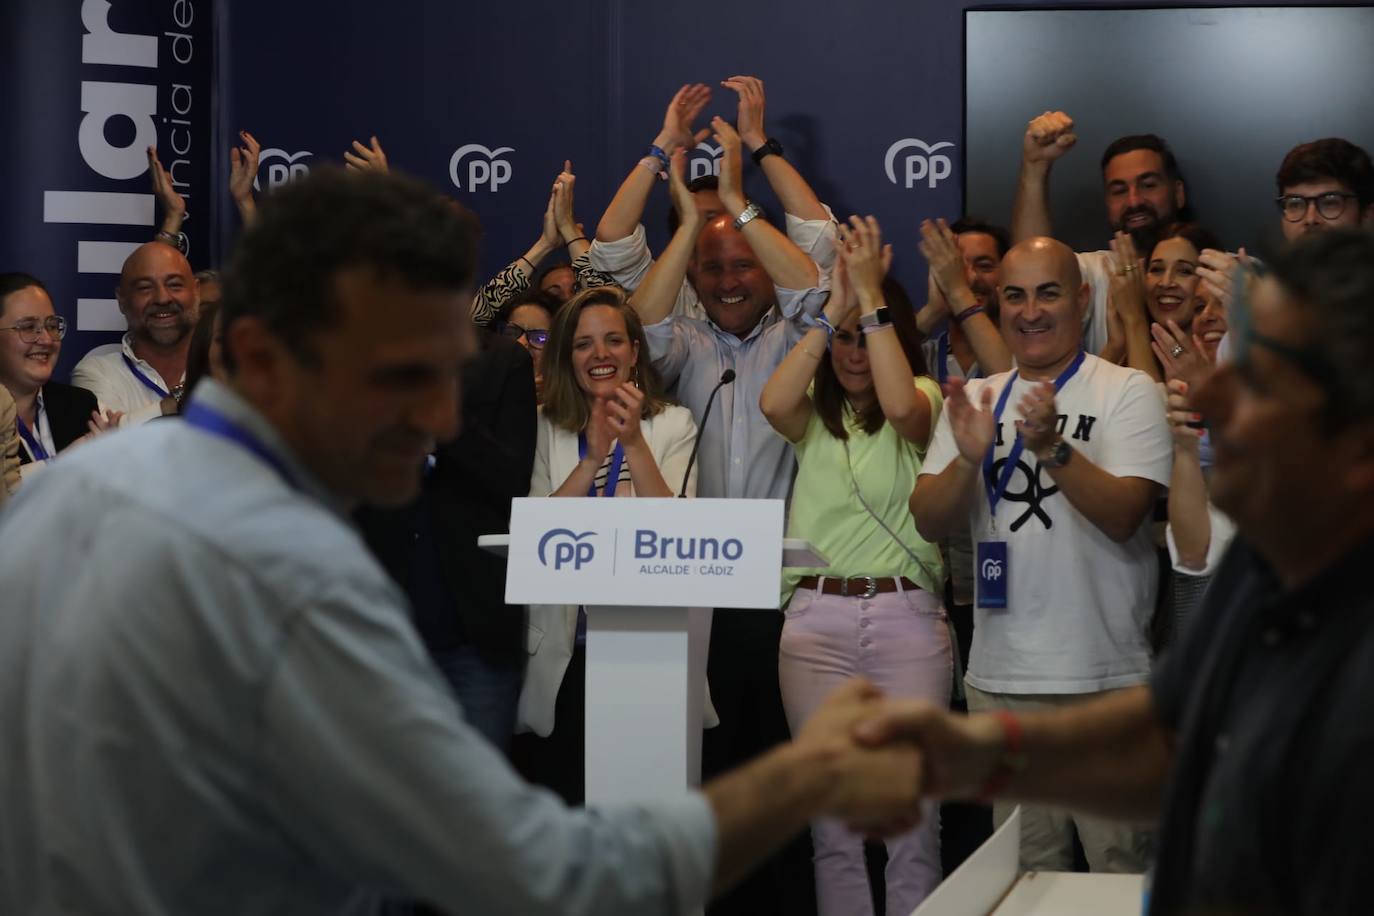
<point x="992" y="570"/>
<point x="562" y="547"/>
<point x="699" y="166"/>
<point x="929" y="165"/>
<point x="281" y="167"/>
<point x="484" y="167"/>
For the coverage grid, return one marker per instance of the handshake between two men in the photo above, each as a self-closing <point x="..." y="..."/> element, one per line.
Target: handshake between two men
<point x="862" y="758"/>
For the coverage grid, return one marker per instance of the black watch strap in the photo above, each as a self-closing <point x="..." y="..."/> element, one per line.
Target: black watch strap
<point x="771" y="147"/>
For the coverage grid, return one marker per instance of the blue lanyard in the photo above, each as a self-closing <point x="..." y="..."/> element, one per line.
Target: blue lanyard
<point x="995" y="494"/>
<point x="617" y="459"/>
<point x="147" y="382"/>
<point x="217" y="424"/>
<point x="942" y="360"/>
<point x="36" y="450"/>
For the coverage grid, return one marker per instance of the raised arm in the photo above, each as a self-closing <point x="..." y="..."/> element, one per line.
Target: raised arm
<point x="515" y="278"/>
<point x="784" y="401"/>
<point x="793" y="192"/>
<point x="654" y="297"/>
<point x="173" y="204"/>
<point x="867" y="261"/>
<point x="788" y="265"/>
<point x="1048" y="137"/>
<point x="243" y="171"/>
<point x="1127" y="294"/>
<point x="946" y="261"/>
<point x="940" y="503"/>
<point x="569" y="229"/>
<point x="627" y="207"/>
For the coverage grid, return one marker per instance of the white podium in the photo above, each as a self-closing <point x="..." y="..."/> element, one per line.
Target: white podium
<point x="648" y="571"/>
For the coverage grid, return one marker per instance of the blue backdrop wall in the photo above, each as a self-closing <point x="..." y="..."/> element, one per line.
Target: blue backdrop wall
<point x="857" y="93"/>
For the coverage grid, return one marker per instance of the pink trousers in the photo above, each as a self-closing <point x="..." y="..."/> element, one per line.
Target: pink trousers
<point x="900" y="641"/>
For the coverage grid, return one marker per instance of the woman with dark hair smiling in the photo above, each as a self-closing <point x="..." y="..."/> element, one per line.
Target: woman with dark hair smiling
<point x="860" y="420"/>
<point x="51" y="416"/>
<point x="605" y="429"/>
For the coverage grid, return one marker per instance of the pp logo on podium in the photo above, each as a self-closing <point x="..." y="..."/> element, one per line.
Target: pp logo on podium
<point x="562" y="547"/>
<point x="699" y="166"/>
<point x="484" y="166"/>
<point x="929" y="165"/>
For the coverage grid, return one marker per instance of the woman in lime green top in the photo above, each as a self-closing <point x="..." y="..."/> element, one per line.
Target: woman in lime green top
<point x="860" y="419"/>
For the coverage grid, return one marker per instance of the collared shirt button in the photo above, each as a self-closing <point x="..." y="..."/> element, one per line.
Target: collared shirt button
<point x="863" y="621"/>
<point x="864" y="642"/>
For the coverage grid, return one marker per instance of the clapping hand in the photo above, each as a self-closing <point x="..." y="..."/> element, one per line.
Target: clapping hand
<point x="865" y="256"/>
<point x="973" y="427"/>
<point x="623" y="411"/>
<point x="731" y="177"/>
<point x="946" y="261"/>
<point x="243" y="172"/>
<point x="1127" y="289"/>
<point x="369" y="158"/>
<point x="682" y="112"/>
<point x="751" y="105"/>
<point x="1038" y="418"/>
<point x="684" y="201"/>
<point x="1182" y="355"/>
<point x="173" y="204"/>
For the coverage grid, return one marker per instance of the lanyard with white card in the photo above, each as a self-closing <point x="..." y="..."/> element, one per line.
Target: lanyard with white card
<point x="993" y="567"/>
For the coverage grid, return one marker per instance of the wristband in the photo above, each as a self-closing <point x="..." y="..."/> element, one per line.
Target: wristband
<point x="875" y="328"/>
<point x="822" y="321"/>
<point x="968" y="313"/>
<point x="1013" y="760"/>
<point x="533" y="267"/>
<point x="580" y="238"/>
<point x="655" y="166"/>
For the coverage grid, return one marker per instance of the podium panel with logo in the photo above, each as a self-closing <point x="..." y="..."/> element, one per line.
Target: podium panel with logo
<point x="648" y="571"/>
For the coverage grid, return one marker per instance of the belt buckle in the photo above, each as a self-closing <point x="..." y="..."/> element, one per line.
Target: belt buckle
<point x="870" y="586"/>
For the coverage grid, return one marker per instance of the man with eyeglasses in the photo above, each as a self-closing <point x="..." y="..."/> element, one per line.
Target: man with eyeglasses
<point x="1325" y="184"/>
<point x="1251" y="743"/>
<point x="142" y="375"/>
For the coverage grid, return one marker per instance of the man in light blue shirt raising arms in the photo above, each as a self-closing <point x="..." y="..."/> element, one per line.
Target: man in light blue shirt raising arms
<point x="212" y="699"/>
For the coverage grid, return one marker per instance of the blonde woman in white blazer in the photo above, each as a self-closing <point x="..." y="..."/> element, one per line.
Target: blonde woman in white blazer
<point x="605" y="430"/>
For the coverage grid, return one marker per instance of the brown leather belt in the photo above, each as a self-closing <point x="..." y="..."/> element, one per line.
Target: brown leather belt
<point x="858" y="586"/>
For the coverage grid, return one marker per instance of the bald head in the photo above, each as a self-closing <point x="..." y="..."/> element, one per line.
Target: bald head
<point x="1043" y="300"/>
<point x="158" y="295"/>
<point x="1046" y="255"/>
<point x="733" y="287"/>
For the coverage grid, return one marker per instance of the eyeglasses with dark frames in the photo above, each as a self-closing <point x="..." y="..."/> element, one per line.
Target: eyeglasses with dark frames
<point x="536" y="336"/>
<point x="1330" y="205"/>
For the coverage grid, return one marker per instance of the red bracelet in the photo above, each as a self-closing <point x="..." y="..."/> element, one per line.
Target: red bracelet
<point x="1012" y="762"/>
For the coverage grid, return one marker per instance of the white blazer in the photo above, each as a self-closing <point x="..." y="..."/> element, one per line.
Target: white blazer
<point x="552" y="633"/>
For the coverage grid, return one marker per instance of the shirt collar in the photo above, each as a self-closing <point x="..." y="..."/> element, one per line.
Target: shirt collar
<point x="769" y="317"/>
<point x="227" y="402"/>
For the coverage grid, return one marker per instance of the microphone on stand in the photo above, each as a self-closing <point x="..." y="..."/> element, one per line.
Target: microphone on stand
<point x="726" y="378"/>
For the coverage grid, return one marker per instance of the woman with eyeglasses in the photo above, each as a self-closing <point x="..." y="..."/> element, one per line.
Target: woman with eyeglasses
<point x="52" y="417"/>
<point x="605" y="429"/>
<point x="526" y="320"/>
<point x="860" y="419"/>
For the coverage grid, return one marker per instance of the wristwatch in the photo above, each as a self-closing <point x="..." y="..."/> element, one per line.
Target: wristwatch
<point x="748" y="214"/>
<point x="1057" y="455"/>
<point x="771" y="147"/>
<point x="879" y="316"/>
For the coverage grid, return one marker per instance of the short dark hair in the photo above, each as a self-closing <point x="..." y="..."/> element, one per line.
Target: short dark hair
<point x="1155" y="144"/>
<point x="1198" y="236"/>
<point x="285" y="267"/>
<point x="1330" y="159"/>
<point x="1152" y="142"/>
<point x="703" y="183"/>
<point x="969" y="223"/>
<point x="531" y="296"/>
<point x="828" y="396"/>
<point x="1331" y="276"/>
<point x="13" y="281"/>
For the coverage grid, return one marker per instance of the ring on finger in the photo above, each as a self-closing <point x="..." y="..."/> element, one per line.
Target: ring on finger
<point x="1177" y="351"/>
